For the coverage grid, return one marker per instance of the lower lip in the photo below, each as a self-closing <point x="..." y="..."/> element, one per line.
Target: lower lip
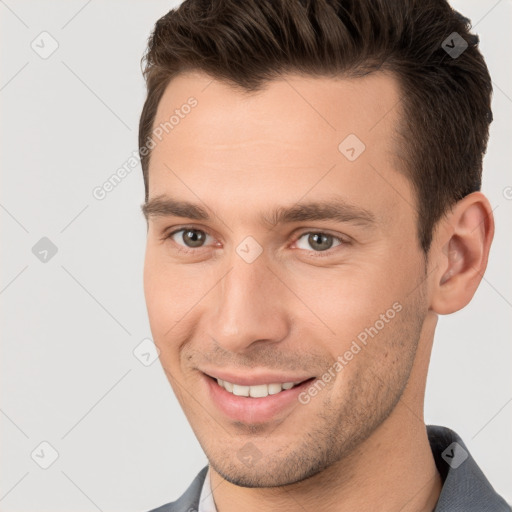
<point x="254" y="410"/>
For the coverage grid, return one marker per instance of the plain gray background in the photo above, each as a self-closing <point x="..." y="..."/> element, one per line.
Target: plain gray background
<point x="70" y="325"/>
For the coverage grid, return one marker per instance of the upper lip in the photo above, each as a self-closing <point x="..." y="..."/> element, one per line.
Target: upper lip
<point x="257" y="378"/>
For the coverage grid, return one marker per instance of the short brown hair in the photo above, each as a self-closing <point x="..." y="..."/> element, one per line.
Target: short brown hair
<point x="446" y="98"/>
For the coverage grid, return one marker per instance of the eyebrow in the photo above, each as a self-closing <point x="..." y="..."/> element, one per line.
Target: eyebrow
<point x="334" y="208"/>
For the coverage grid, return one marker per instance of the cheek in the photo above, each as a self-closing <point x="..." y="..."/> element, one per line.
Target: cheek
<point x="173" y="298"/>
<point x="160" y="303"/>
<point x="345" y="300"/>
<point x="161" y="292"/>
<point x="358" y="317"/>
<point x="164" y="282"/>
<point x="153" y="289"/>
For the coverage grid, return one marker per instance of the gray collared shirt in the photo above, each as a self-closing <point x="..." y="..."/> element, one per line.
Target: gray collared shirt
<point x="465" y="487"/>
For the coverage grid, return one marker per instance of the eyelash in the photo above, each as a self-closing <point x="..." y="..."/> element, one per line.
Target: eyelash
<point x="317" y="254"/>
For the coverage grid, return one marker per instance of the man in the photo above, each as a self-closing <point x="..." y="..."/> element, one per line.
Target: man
<point x="313" y="174"/>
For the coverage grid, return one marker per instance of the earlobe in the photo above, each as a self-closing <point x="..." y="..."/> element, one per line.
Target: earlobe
<point x="461" y="253"/>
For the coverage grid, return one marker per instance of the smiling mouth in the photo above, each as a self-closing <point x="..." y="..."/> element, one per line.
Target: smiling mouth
<point x="259" y="390"/>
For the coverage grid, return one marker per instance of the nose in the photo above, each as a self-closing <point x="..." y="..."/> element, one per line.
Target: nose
<point x="251" y="306"/>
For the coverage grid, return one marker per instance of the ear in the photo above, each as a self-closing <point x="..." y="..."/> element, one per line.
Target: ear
<point x="459" y="253"/>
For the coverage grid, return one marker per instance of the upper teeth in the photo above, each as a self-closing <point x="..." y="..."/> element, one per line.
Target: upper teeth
<point x="259" y="391"/>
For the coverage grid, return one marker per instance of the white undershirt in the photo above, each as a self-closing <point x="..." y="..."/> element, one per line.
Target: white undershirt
<point x="206" y="502"/>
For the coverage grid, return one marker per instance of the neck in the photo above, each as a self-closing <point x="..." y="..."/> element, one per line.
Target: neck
<point x="392" y="470"/>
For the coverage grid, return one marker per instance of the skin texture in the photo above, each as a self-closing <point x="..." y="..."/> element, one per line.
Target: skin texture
<point x="360" y="443"/>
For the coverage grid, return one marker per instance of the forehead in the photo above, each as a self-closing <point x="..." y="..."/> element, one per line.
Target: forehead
<point x="298" y="135"/>
<point x="288" y="109"/>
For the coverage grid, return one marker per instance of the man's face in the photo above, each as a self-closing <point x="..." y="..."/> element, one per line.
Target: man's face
<point x="238" y="296"/>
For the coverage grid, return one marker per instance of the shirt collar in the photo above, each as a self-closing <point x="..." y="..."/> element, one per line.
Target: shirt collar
<point x="465" y="487"/>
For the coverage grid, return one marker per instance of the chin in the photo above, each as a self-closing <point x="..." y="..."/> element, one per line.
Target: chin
<point x="266" y="475"/>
